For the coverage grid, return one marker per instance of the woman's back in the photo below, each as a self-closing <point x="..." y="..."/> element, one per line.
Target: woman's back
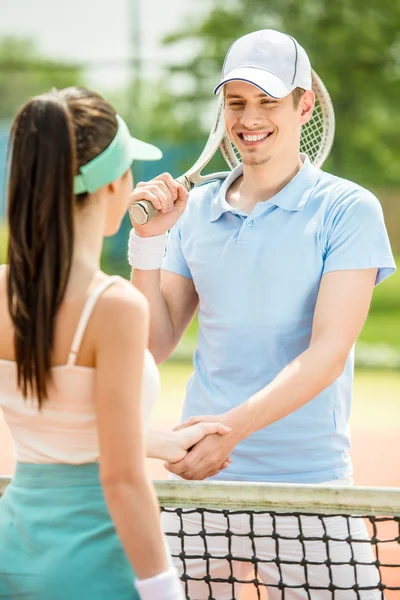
<point x="80" y="517"/>
<point x="65" y="429"/>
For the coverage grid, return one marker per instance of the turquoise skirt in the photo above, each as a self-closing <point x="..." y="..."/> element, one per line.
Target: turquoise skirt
<point x="57" y="540"/>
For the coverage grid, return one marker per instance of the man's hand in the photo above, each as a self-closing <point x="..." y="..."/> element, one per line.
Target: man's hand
<point x="165" y="194"/>
<point x="203" y="419"/>
<point x="206" y="458"/>
<point x="183" y="439"/>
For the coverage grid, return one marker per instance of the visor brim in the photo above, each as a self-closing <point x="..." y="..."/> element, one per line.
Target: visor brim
<point x="144" y="151"/>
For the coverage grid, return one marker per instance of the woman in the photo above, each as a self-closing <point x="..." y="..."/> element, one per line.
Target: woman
<point x="73" y="368"/>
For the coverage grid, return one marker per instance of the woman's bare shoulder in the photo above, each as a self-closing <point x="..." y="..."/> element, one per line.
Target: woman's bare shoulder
<point x="120" y="304"/>
<point x="124" y="293"/>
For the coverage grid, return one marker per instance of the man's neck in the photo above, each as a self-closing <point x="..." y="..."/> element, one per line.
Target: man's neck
<point x="261" y="183"/>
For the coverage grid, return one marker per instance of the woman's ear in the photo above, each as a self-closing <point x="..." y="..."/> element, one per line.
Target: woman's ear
<point x="112" y="187"/>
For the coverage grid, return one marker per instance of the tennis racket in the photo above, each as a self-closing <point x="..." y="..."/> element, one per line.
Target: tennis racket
<point x="316" y="141"/>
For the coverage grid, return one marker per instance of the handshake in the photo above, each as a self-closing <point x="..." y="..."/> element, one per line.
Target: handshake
<point x="196" y="449"/>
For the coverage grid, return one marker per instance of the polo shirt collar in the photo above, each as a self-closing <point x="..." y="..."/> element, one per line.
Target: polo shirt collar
<point x="293" y="197"/>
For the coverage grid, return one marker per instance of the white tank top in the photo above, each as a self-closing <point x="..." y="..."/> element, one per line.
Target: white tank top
<point x="65" y="430"/>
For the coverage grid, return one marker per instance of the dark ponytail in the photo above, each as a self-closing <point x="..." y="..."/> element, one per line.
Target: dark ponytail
<point x="40" y="217"/>
<point x="52" y="137"/>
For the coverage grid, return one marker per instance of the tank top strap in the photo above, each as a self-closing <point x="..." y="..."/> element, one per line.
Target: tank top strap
<point x="85" y="316"/>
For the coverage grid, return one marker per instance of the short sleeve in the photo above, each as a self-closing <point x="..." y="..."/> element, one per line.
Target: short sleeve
<point x="357" y="237"/>
<point x="174" y="259"/>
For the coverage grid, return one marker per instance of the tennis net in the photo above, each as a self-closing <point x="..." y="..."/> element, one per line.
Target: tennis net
<point x="289" y="542"/>
<point x="245" y="541"/>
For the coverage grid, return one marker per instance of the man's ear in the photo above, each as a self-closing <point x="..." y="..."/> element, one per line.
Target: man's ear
<point x="307" y="103"/>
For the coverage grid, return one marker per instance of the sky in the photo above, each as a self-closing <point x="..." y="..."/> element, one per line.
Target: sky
<point x="101" y="31"/>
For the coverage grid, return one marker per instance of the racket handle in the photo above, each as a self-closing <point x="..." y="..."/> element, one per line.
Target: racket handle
<point x="141" y="212"/>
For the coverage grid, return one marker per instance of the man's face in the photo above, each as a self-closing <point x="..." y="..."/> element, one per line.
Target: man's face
<point x="262" y="127"/>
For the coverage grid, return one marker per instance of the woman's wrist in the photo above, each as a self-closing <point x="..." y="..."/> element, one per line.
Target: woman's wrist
<point x="158" y="443"/>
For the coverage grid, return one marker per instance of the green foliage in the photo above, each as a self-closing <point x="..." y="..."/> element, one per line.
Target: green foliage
<point x="154" y="112"/>
<point x="25" y="73"/>
<point x="383" y="322"/>
<point x="386" y="298"/>
<point x="383" y="327"/>
<point x="354" y="46"/>
<point x="3" y="243"/>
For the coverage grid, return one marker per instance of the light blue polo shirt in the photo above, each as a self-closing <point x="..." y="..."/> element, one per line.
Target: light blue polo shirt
<point x="257" y="277"/>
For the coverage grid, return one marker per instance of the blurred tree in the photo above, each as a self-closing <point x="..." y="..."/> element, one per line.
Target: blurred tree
<point x="162" y="116"/>
<point x="167" y="121"/>
<point x="25" y="73"/>
<point x="354" y="45"/>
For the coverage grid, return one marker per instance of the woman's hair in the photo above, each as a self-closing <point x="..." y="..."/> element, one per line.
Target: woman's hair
<point x="52" y="136"/>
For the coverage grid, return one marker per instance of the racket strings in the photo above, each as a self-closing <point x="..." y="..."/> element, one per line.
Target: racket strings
<point x="312" y="135"/>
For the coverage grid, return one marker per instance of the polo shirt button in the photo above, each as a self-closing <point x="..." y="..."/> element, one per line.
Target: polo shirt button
<point x="249" y="223"/>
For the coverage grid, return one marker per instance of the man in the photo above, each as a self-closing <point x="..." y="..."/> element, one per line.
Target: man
<point x="281" y="260"/>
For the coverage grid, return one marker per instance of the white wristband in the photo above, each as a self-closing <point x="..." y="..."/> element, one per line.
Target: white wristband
<point x="146" y="253"/>
<point x="164" y="586"/>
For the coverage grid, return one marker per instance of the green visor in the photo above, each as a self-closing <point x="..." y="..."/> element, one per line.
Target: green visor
<point x="114" y="161"/>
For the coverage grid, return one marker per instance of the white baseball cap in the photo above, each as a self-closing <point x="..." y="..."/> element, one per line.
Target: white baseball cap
<point x="270" y="60"/>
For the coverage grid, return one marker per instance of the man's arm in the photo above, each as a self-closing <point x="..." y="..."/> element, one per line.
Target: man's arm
<point x="172" y="297"/>
<point x="341" y="309"/>
<point x="173" y="302"/>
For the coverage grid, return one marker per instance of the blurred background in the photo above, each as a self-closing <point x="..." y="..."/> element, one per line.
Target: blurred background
<point x="158" y="62"/>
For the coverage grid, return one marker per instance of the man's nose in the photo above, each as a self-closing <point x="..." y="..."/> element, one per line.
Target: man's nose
<point x="251" y="117"/>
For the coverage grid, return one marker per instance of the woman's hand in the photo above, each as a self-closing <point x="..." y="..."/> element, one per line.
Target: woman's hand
<point x="182" y="440"/>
